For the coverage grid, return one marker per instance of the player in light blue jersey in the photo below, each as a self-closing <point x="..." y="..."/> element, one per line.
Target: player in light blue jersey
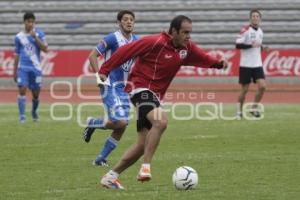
<point x="115" y="100"/>
<point x="27" y="64"/>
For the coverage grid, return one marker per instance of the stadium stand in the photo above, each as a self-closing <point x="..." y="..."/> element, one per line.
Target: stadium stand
<point x="80" y="24"/>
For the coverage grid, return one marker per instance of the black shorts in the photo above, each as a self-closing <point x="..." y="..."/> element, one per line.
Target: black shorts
<point x="144" y="102"/>
<point x="248" y="75"/>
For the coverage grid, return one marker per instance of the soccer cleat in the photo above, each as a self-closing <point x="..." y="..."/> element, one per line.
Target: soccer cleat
<point x="88" y="131"/>
<point x="35" y="116"/>
<point x="239" y="115"/>
<point x="255" y="113"/>
<point x="144" y="174"/>
<point x="100" y="162"/>
<point x="22" y="119"/>
<point x="87" y="134"/>
<point x="111" y="183"/>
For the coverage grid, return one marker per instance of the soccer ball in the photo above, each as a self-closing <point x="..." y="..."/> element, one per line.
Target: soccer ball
<point x="185" y="178"/>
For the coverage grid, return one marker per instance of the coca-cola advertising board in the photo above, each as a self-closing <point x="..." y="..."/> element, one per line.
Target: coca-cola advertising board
<point x="72" y="63"/>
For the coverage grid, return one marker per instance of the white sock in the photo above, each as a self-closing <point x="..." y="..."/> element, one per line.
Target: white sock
<point x="239" y="108"/>
<point x="113" y="174"/>
<point x="146" y="165"/>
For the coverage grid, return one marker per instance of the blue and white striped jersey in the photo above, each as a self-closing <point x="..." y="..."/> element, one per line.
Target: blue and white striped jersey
<point x="28" y="50"/>
<point x="112" y="42"/>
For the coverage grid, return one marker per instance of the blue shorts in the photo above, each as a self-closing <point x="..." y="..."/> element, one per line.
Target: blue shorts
<point x="31" y="78"/>
<point x="116" y="103"/>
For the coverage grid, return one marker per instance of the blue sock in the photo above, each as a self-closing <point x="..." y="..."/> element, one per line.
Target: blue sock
<point x="96" y="123"/>
<point x="110" y="144"/>
<point x="35" y="104"/>
<point x="22" y="105"/>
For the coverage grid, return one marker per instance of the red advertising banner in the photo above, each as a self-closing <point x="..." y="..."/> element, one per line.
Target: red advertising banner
<point x="72" y="63"/>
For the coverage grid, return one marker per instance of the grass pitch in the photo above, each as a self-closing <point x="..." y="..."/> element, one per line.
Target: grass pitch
<point x="234" y="159"/>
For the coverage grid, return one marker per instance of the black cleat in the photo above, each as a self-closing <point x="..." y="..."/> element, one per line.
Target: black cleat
<point x="35" y="116"/>
<point x="100" y="162"/>
<point x="255" y="114"/>
<point x="87" y="134"/>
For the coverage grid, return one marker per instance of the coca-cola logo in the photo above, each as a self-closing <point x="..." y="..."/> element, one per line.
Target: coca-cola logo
<point x="7" y="63"/>
<point x="274" y="64"/>
<point x="220" y="54"/>
<point x="47" y="62"/>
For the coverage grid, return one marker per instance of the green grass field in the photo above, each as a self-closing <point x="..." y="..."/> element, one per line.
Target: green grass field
<point x="235" y="160"/>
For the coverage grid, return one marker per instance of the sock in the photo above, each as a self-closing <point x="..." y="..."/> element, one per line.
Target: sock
<point x="110" y="144"/>
<point x="96" y="123"/>
<point x="146" y="165"/>
<point x="22" y="105"/>
<point x="239" y="108"/>
<point x="113" y="174"/>
<point x="35" y="104"/>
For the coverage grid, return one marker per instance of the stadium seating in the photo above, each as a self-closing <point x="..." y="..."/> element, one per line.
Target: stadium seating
<point x="80" y="24"/>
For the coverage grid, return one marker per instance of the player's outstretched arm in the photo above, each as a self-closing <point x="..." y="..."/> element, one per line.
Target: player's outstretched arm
<point x="126" y="52"/>
<point x="223" y="64"/>
<point x="198" y="57"/>
<point x="93" y="58"/>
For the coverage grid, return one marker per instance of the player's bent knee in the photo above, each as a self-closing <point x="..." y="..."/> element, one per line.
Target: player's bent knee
<point x="262" y="88"/>
<point x="161" y="124"/>
<point x="22" y="91"/>
<point x="120" y="125"/>
<point x="244" y="91"/>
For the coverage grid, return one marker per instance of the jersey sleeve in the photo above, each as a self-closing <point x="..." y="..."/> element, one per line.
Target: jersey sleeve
<point x="42" y="36"/>
<point x="17" y="46"/>
<point x="107" y="43"/>
<point x="126" y="52"/>
<point x="199" y="58"/>
<point x="242" y="36"/>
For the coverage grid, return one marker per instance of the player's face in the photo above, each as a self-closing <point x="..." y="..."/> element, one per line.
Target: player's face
<point x="255" y="19"/>
<point x="127" y="23"/>
<point x="29" y="24"/>
<point x="181" y="38"/>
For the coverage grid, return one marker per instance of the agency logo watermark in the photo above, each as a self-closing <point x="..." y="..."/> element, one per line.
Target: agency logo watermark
<point x="180" y="106"/>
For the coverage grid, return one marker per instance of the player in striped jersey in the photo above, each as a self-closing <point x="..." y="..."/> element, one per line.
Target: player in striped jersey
<point x="115" y="100"/>
<point x="27" y="64"/>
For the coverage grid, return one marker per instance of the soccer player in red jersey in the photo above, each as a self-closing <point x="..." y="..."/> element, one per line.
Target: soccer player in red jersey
<point x="157" y="59"/>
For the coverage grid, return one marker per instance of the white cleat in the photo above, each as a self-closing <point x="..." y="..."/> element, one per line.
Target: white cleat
<point x="239" y="116"/>
<point x="144" y="174"/>
<point x="111" y="183"/>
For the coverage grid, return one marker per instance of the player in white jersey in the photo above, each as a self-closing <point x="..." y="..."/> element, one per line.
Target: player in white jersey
<point x="249" y="41"/>
<point x="27" y="64"/>
<point x="115" y="99"/>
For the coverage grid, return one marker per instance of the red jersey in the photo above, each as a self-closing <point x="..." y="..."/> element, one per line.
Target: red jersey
<point x="156" y="62"/>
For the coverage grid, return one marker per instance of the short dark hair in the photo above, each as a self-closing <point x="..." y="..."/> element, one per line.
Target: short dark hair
<point x="28" y="15"/>
<point x="177" y="21"/>
<point x="254" y="11"/>
<point x="123" y="12"/>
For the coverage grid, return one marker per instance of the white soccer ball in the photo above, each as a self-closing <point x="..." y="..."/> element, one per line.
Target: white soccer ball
<point x="185" y="178"/>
